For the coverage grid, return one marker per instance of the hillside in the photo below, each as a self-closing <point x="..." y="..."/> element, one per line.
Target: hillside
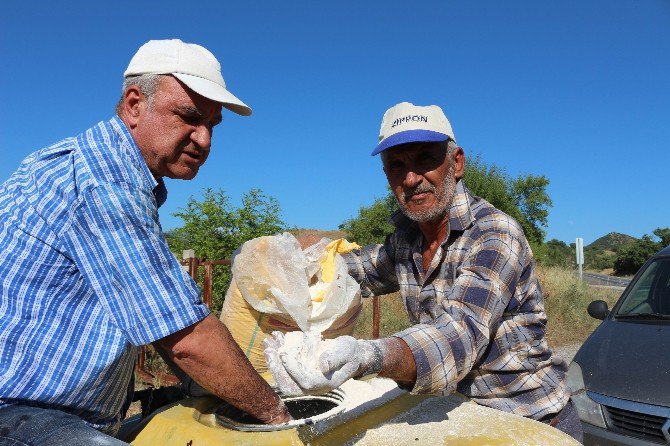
<point x="318" y="233"/>
<point x="611" y="242"/>
<point x="600" y="255"/>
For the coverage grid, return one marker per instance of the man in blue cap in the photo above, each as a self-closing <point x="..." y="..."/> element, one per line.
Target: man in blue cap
<point x="466" y="274"/>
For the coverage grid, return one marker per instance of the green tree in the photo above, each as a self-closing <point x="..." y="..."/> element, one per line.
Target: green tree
<point x="632" y="256"/>
<point x="214" y="228"/>
<point x="557" y="253"/>
<point x="372" y="223"/>
<point x="523" y="198"/>
<point x="530" y="196"/>
<point x="664" y="235"/>
<point x="492" y="184"/>
<point x="598" y="261"/>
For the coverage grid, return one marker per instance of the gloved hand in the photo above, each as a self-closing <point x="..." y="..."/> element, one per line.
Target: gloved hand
<point x="282" y="379"/>
<point x="300" y="352"/>
<point x="340" y="359"/>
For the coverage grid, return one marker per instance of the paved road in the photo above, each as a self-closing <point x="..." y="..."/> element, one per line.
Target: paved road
<point x="604" y="279"/>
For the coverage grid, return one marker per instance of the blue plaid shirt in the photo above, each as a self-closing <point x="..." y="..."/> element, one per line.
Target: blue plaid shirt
<point x="86" y="275"/>
<point x="478" y="310"/>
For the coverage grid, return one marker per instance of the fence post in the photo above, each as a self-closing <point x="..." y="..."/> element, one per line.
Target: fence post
<point x="207" y="284"/>
<point x="194" y="263"/>
<point x="375" y="317"/>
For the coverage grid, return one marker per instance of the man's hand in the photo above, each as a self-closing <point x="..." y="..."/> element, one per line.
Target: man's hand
<point x="300" y="353"/>
<point x="347" y="357"/>
<point x="338" y="360"/>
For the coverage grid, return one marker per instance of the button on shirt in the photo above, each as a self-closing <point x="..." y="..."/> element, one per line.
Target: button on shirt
<point x="478" y="312"/>
<point x="86" y="275"/>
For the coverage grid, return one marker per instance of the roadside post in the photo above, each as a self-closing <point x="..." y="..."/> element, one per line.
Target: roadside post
<point x="579" y="248"/>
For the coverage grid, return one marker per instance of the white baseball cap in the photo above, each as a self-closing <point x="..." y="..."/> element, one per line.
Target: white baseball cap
<point x="192" y="64"/>
<point x="405" y="122"/>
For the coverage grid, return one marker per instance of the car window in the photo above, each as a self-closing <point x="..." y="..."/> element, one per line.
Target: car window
<point x="651" y="292"/>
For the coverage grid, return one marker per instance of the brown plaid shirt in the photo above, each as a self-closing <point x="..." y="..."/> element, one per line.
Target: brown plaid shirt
<point x="478" y="312"/>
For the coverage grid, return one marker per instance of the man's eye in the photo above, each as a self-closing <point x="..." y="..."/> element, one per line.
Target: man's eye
<point x="191" y="120"/>
<point x="426" y="160"/>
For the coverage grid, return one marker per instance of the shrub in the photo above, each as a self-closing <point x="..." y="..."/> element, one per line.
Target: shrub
<point x="632" y="256"/>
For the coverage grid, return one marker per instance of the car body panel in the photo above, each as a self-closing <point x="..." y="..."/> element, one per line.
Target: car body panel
<point x="619" y="350"/>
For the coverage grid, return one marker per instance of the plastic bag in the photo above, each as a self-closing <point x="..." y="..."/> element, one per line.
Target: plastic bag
<point x="313" y="287"/>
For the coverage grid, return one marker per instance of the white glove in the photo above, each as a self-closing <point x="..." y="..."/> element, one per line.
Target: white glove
<point x="296" y="351"/>
<point x="340" y="359"/>
<point x="286" y="385"/>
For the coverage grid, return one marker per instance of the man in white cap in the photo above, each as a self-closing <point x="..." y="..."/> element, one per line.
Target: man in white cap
<point x="87" y="276"/>
<point x="466" y="274"/>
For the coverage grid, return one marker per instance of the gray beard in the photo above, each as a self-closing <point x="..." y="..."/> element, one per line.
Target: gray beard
<point x="445" y="197"/>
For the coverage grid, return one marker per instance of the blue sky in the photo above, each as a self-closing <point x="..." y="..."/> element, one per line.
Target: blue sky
<point x="578" y="91"/>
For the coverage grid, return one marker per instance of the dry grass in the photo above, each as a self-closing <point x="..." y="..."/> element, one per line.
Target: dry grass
<point x="393" y="317"/>
<point x="566" y="300"/>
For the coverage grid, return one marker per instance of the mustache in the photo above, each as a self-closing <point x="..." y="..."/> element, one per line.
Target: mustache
<point x="195" y="150"/>
<point x="421" y="188"/>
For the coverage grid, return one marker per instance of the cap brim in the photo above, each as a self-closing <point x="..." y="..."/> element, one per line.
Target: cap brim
<point x="409" y="136"/>
<point x="215" y="92"/>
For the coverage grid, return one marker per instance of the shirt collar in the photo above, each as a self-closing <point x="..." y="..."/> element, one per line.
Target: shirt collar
<point x="127" y="143"/>
<point x="460" y="213"/>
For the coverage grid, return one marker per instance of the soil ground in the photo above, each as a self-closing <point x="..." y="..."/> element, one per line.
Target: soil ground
<point x="566" y="352"/>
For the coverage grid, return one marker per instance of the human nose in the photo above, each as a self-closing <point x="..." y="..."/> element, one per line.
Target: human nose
<point x="202" y="136"/>
<point x="412" y="179"/>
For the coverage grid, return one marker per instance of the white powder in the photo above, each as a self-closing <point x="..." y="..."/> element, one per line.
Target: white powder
<point x="362" y="396"/>
<point x="452" y="420"/>
<point x="306" y="348"/>
<point x="359" y="397"/>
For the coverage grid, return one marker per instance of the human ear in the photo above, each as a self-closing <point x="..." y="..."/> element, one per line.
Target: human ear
<point x="459" y="163"/>
<point x="133" y="102"/>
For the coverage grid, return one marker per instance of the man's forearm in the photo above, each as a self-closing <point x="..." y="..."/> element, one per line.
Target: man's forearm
<point x="187" y="384"/>
<point x="398" y="362"/>
<point x="207" y="352"/>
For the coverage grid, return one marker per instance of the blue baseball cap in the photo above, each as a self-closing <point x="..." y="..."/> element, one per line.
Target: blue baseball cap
<point x="405" y="123"/>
